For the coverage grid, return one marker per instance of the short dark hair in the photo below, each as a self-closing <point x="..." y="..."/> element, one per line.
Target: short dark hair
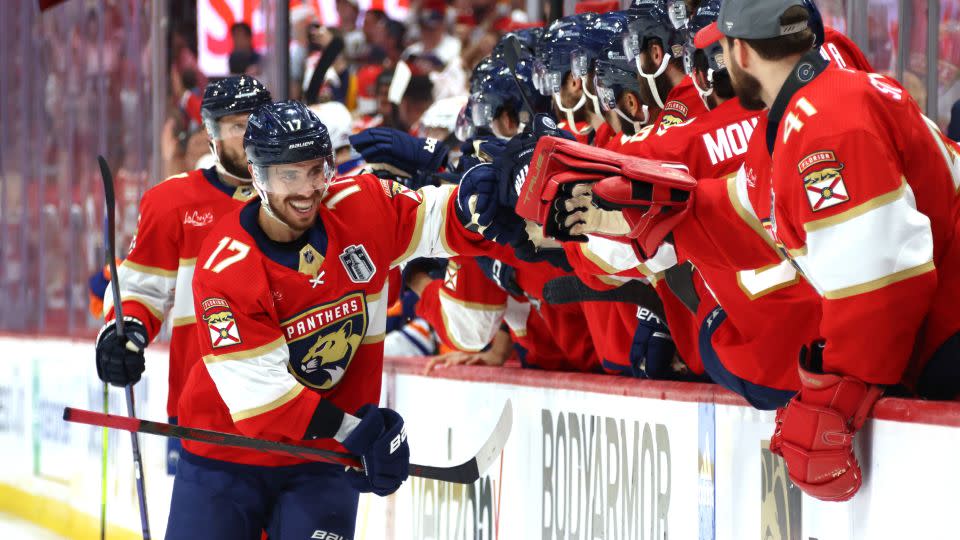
<point x="778" y="48"/>
<point x="242" y="26"/>
<point x="419" y="89"/>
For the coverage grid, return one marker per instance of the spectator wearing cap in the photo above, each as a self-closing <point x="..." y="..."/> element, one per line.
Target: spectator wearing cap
<point x="243" y="59"/>
<point x="434" y="40"/>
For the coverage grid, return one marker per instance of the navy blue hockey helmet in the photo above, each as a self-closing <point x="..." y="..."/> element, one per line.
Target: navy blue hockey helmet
<point x="615" y="75"/>
<point x="527" y="37"/>
<point x="709" y="58"/>
<point x="499" y="91"/>
<point x="286" y="132"/>
<point x="662" y="21"/>
<point x="232" y="95"/>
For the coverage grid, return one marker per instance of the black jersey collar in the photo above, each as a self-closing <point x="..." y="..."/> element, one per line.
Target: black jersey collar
<point x="810" y="66"/>
<point x="284" y="253"/>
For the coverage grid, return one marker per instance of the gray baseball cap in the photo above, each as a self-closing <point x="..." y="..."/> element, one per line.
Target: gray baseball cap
<point x="750" y="19"/>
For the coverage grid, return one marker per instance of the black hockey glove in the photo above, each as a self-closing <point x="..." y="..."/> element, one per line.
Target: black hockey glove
<point x="380" y="440"/>
<point x="120" y="361"/>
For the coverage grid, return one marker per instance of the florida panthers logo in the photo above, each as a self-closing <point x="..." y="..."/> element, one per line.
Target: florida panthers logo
<point x="324" y="339"/>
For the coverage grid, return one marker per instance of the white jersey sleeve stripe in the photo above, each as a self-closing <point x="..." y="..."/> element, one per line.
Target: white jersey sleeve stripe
<point x="879" y="242"/>
<point x="254" y="381"/>
<point x="429" y="235"/>
<point x="152" y="290"/>
<point x="470" y="326"/>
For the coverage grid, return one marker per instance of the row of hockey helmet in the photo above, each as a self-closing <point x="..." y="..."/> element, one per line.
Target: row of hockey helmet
<point x="615" y="75"/>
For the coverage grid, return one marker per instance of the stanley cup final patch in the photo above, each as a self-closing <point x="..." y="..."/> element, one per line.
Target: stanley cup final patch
<point x="357" y="262"/>
<point x="822" y="180"/>
<point x="220" y="323"/>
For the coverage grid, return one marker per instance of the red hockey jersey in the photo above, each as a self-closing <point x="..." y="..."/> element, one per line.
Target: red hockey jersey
<point x="863" y="199"/>
<point x="682" y="103"/>
<point x="155" y="278"/>
<point x="466" y="308"/>
<point x="287" y="324"/>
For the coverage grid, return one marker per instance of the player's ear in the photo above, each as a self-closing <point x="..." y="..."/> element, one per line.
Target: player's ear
<point x="574" y="82"/>
<point x="742" y="53"/>
<point x="656" y="53"/>
<point x="631" y="104"/>
<point x="250" y="169"/>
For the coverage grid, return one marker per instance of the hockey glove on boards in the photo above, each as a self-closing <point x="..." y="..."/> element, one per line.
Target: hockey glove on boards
<point x="814" y="432"/>
<point x="652" y="350"/>
<point x="380" y="440"/>
<point x="120" y="360"/>
<point x="418" y="157"/>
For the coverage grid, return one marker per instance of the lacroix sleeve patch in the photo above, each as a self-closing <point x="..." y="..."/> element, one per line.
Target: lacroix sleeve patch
<point x="220" y="322"/>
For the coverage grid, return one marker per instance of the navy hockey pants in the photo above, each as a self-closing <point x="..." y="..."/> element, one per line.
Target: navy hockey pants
<point x="761" y="397"/>
<point x="217" y="500"/>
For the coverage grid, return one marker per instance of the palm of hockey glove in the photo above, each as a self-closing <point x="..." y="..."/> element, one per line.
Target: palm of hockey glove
<point x="652" y="350"/>
<point x="814" y="432"/>
<point x="380" y="440"/>
<point x="120" y="360"/>
<point x="419" y="157"/>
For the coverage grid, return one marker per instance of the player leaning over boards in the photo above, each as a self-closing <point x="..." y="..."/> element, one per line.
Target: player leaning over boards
<point x="860" y="194"/>
<point x="175" y="216"/>
<point x="292" y="292"/>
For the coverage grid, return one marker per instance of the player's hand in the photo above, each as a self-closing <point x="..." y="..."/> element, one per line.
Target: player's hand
<point x="815" y="431"/>
<point x="418" y="157"/>
<point x="380" y="440"/>
<point x="577" y="214"/>
<point x="653" y="350"/>
<point x="120" y="360"/>
<point x="461" y="358"/>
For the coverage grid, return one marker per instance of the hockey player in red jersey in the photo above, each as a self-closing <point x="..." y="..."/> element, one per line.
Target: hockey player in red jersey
<point x="292" y="292"/>
<point x="175" y="216"/>
<point x="861" y="196"/>
<point x="655" y="44"/>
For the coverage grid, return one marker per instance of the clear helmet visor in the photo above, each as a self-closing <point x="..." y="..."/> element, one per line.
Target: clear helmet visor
<point x="579" y="65"/>
<point x="606" y="96"/>
<point x="552" y="82"/>
<point x="482" y="112"/>
<point x="295" y="179"/>
<point x="465" y="129"/>
<point x="631" y="44"/>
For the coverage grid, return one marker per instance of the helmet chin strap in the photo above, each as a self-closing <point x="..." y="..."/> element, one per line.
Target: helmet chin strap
<point x="593" y="98"/>
<point x="704" y="94"/>
<point x="652" y="78"/>
<point x="637" y="124"/>
<point x="569" y="113"/>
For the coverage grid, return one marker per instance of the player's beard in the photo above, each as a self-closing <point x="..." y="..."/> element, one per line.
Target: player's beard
<point x="296" y="211"/>
<point x="746" y="87"/>
<point x="234" y="162"/>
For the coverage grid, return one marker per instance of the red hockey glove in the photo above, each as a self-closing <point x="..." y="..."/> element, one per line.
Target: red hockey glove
<point x="814" y="432"/>
<point x="555" y="163"/>
<point x="653" y="196"/>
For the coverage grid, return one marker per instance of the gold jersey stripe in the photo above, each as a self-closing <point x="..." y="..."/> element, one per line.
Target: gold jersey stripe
<point x="414" y="238"/>
<point x="752" y="221"/>
<point x="152" y="270"/>
<point x="277" y="403"/>
<point x="188" y="262"/>
<point x="245" y="354"/>
<point x="880" y="283"/>
<point x="377" y="338"/>
<point x="595" y="259"/>
<point x="444" y="205"/>
<point x="184" y="321"/>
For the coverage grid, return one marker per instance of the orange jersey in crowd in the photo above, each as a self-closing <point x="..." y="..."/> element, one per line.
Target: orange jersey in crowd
<point x="175" y="217"/>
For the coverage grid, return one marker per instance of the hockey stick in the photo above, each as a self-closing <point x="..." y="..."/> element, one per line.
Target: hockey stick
<point x="327" y="57"/>
<point x="111" y="249"/>
<point x="569" y="290"/>
<point x="467" y="472"/>
<point x="511" y="55"/>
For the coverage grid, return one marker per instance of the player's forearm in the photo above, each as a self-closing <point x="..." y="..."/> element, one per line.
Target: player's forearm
<point x="871" y="335"/>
